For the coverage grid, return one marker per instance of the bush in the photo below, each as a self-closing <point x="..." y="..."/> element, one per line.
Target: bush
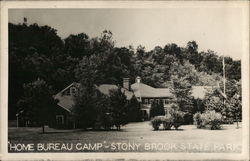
<point x="188" y="118"/>
<point x="228" y="121"/>
<point x="213" y="119"/>
<point x="175" y="118"/>
<point x="168" y="122"/>
<point x="178" y="118"/>
<point x="197" y="120"/>
<point x="157" y="121"/>
<point x="209" y="119"/>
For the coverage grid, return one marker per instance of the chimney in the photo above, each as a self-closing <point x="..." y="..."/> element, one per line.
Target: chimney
<point x="138" y="79"/>
<point x="126" y="83"/>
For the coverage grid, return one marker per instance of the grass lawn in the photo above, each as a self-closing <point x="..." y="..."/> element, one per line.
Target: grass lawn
<point x="137" y="137"/>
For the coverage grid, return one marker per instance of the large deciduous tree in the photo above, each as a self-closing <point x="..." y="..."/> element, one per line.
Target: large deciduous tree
<point x="119" y="105"/>
<point x="181" y="89"/>
<point x="77" y="46"/>
<point x="37" y="103"/>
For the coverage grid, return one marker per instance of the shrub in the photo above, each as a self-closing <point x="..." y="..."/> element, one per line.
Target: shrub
<point x="209" y="119"/>
<point x="228" y="121"/>
<point x="168" y="122"/>
<point x="178" y="118"/>
<point x="188" y="118"/>
<point x="198" y="120"/>
<point x="157" y="121"/>
<point x="213" y="119"/>
<point x="175" y="118"/>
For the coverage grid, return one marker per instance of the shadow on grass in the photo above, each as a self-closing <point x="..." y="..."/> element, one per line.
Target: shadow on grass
<point x="81" y="130"/>
<point x="104" y="130"/>
<point x="169" y="130"/>
<point x="55" y="132"/>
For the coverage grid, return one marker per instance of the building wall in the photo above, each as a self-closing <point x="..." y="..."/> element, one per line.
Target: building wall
<point x="62" y="119"/>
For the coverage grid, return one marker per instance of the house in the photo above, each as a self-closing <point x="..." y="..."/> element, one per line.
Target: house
<point x="145" y="94"/>
<point x="64" y="109"/>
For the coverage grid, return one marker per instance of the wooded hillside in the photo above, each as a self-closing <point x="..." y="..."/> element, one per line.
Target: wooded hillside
<point x="38" y="52"/>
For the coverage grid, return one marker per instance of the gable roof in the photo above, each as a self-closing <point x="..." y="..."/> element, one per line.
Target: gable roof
<point x="105" y="88"/>
<point x="143" y="90"/>
<point x="67" y="101"/>
<point x="138" y="89"/>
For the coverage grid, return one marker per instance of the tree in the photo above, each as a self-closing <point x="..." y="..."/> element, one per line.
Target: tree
<point x="38" y="103"/>
<point x="181" y="89"/>
<point x="88" y="97"/>
<point x="91" y="108"/>
<point x="31" y="50"/>
<point x="192" y="53"/>
<point x="87" y="72"/>
<point x="230" y="106"/>
<point x="157" y="109"/>
<point x="77" y="45"/>
<point x="214" y="101"/>
<point x="236" y="107"/>
<point x="119" y="106"/>
<point x="134" y="111"/>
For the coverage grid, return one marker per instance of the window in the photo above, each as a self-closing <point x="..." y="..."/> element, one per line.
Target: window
<point x="157" y="101"/>
<point x="59" y="119"/>
<point x="146" y="101"/>
<point x="166" y="101"/>
<point x="72" y="91"/>
<point x="151" y="101"/>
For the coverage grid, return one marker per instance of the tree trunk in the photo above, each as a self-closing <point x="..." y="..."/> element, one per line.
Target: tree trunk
<point x="43" y="129"/>
<point x="237" y="124"/>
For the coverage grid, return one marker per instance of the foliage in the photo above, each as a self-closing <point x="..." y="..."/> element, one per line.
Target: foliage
<point x="235" y="104"/>
<point x="177" y="118"/>
<point x="209" y="119"/>
<point x="198" y="120"/>
<point x="119" y="104"/>
<point x="198" y="105"/>
<point x="85" y="108"/>
<point x="214" y="101"/>
<point x="181" y="89"/>
<point x="134" y="111"/>
<point x="77" y="46"/>
<point x="174" y="118"/>
<point x="60" y="62"/>
<point x="213" y="119"/>
<point x="91" y="105"/>
<point x="168" y="122"/>
<point x="157" y="109"/>
<point x="230" y="107"/>
<point x="187" y="118"/>
<point x="37" y="103"/>
<point x="157" y="121"/>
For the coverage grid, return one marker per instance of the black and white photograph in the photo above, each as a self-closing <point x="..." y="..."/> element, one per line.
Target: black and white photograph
<point x="127" y="80"/>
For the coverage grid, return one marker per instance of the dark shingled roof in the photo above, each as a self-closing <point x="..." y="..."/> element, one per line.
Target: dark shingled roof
<point x="143" y="90"/>
<point x="105" y="88"/>
<point x="67" y="101"/>
<point x="140" y="90"/>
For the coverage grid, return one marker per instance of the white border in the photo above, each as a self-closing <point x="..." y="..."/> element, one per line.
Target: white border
<point x="244" y="5"/>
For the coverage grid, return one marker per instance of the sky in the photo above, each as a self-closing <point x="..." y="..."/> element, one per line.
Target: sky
<point x="212" y="28"/>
